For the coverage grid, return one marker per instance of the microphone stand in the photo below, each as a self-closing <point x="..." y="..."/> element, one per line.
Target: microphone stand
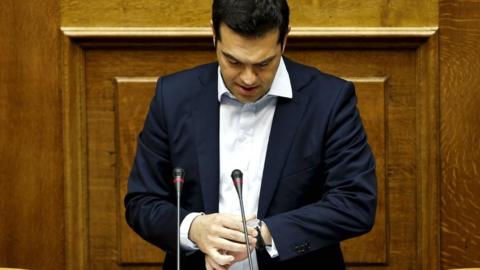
<point x="237" y="177"/>
<point x="178" y="179"/>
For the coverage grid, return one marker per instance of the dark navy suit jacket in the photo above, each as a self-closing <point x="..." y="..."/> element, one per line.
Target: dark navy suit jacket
<point x="318" y="185"/>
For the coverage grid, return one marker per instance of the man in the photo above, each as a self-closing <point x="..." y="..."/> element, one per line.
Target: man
<point x="294" y="132"/>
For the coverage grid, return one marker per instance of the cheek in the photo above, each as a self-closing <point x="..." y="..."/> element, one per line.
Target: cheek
<point x="229" y="75"/>
<point x="266" y="76"/>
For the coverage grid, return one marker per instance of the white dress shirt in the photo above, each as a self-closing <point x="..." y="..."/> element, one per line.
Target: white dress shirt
<point x="244" y="133"/>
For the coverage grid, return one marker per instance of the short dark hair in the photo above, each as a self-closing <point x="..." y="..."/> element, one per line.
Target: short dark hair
<point x="251" y="17"/>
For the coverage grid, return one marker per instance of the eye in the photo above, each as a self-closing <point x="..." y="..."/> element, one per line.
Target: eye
<point x="263" y="64"/>
<point x="233" y="61"/>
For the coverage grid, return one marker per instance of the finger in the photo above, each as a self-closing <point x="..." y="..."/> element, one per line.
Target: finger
<point x="220" y="259"/>
<point x="231" y="247"/>
<point x="211" y="264"/>
<point x="208" y="266"/>
<point x="231" y="221"/>
<point x="217" y="266"/>
<point x="252" y="232"/>
<point x="237" y="225"/>
<point x="234" y="235"/>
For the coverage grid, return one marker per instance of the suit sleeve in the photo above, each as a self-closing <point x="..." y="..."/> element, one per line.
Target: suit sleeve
<point x="347" y="206"/>
<point x="150" y="200"/>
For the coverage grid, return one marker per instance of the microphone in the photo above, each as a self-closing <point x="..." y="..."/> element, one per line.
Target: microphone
<point x="237" y="178"/>
<point x="178" y="179"/>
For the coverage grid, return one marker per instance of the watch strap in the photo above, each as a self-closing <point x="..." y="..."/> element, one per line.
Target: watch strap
<point x="260" y="241"/>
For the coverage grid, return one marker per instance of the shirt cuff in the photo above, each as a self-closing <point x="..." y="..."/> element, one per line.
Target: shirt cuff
<point x="185" y="242"/>
<point x="272" y="250"/>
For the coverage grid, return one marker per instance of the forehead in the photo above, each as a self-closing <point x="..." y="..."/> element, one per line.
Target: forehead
<point x="248" y="49"/>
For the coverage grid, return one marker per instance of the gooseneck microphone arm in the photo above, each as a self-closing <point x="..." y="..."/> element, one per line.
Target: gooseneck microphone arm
<point x="178" y="179"/>
<point x="237" y="178"/>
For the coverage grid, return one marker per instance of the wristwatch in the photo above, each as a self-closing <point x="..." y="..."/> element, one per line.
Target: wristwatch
<point x="260" y="241"/>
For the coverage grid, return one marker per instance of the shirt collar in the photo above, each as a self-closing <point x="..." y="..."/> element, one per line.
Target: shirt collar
<point x="281" y="85"/>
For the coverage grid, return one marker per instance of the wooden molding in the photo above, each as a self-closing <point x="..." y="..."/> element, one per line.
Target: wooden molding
<point x="75" y="156"/>
<point x="299" y="37"/>
<point x="204" y="32"/>
<point x="428" y="155"/>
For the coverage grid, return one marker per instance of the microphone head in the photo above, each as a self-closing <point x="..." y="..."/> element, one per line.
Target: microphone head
<point x="178" y="178"/>
<point x="237" y="174"/>
<point x="178" y="173"/>
<point x="237" y="178"/>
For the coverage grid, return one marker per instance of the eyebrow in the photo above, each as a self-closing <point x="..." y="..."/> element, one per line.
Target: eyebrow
<point x="268" y="59"/>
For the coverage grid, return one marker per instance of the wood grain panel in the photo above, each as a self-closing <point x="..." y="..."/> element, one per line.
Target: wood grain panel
<point x="154" y="13"/>
<point x="460" y="129"/>
<point x="371" y="248"/>
<point x="103" y="66"/>
<point x="31" y="158"/>
<point x="381" y="13"/>
<point x="133" y="95"/>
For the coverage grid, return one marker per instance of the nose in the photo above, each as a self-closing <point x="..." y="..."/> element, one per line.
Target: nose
<point x="248" y="76"/>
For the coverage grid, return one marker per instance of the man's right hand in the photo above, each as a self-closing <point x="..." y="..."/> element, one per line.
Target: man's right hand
<point x="221" y="238"/>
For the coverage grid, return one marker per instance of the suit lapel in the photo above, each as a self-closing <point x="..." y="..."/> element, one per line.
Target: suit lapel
<point x="288" y="114"/>
<point x="206" y="122"/>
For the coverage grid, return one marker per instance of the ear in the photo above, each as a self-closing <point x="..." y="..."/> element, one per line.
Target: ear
<point x="285" y="38"/>
<point x="214" y="36"/>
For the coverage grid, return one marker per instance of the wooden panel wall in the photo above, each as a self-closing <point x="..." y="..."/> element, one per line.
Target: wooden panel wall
<point x="391" y="93"/>
<point x="109" y="70"/>
<point x="460" y="129"/>
<point x="31" y="158"/>
<point x="32" y="168"/>
<point x="155" y="13"/>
